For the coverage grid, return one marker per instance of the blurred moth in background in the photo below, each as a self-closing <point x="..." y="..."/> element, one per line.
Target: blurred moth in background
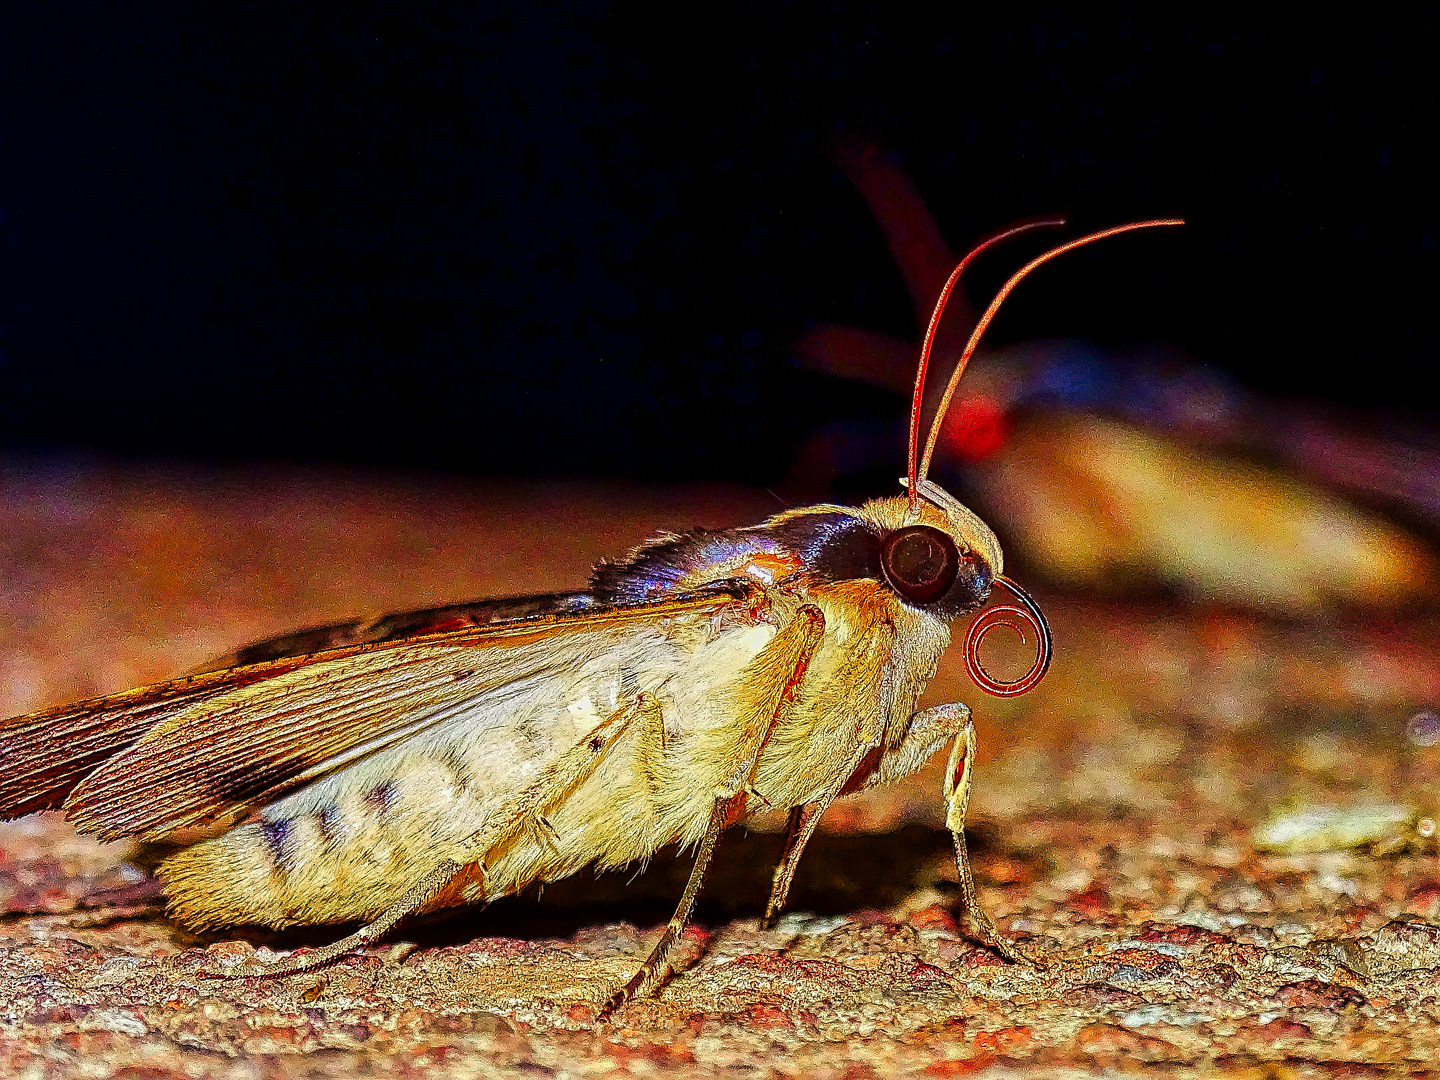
<point x="1112" y="471"/>
<point x="376" y="770"/>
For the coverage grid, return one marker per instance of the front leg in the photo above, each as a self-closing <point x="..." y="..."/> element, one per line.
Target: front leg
<point x="957" y="801"/>
<point x="927" y="732"/>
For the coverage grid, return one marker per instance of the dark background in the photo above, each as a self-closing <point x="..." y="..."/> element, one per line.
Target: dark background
<point x="580" y="239"/>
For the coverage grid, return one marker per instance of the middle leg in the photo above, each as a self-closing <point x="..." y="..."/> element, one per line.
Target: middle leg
<point x="926" y="733"/>
<point x="768" y="690"/>
<point x="653" y="969"/>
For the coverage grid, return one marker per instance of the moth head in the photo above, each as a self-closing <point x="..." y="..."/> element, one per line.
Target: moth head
<point x="936" y="558"/>
<point x="939" y="556"/>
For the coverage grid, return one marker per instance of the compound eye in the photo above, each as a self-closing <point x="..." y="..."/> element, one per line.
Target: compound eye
<point x="920" y="563"/>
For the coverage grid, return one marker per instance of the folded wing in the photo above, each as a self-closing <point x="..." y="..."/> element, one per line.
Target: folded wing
<point x="195" y="750"/>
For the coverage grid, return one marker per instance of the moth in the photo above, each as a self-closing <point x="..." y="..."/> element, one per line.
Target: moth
<point x="376" y="770"/>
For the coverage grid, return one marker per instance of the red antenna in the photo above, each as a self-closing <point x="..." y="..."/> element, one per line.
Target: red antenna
<point x="985" y="320"/>
<point x="918" y="399"/>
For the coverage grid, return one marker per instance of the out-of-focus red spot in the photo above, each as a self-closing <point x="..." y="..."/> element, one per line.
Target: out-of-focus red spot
<point x="960" y="1066"/>
<point x="580" y="1013"/>
<point x="1425" y="897"/>
<point x="455" y="622"/>
<point x="661" y="1054"/>
<point x="975" y="428"/>
<point x="1315" y="994"/>
<point x="1278" y="1029"/>
<point x="934" y="917"/>
<point x="1179" y="935"/>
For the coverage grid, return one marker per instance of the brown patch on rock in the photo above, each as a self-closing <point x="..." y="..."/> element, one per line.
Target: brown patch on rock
<point x="1112" y="1043"/>
<point x="1170" y="934"/>
<point x="1314" y="994"/>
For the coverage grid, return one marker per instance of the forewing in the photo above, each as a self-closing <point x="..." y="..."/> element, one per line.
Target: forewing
<point x="210" y="758"/>
<point x="44" y="755"/>
<point x="393" y="627"/>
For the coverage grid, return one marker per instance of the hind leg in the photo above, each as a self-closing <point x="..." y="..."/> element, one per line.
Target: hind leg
<point x="653" y="969"/>
<point x="773" y="676"/>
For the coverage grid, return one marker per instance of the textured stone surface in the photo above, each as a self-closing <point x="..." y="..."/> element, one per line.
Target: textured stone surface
<point x="1115" y="825"/>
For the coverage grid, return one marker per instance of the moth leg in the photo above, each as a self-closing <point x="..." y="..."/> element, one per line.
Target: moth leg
<point x="454" y="880"/>
<point x="957" y="801"/>
<point x="800" y="827"/>
<point x="769" y="682"/>
<point x="770" y="679"/>
<point x="798" y="830"/>
<point x="803" y="819"/>
<point x="659" y="958"/>
<point x="926" y="732"/>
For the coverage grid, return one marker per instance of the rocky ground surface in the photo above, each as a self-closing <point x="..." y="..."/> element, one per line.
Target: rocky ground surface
<point x="1212" y="833"/>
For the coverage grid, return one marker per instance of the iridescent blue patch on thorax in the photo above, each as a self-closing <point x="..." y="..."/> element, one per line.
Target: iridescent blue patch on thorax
<point x="678" y="564"/>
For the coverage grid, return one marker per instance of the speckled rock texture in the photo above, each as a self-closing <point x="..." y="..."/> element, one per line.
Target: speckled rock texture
<point x="1211" y="833"/>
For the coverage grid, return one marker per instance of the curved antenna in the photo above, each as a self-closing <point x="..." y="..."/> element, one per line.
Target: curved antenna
<point x="918" y="399"/>
<point x="988" y="620"/>
<point x="985" y="319"/>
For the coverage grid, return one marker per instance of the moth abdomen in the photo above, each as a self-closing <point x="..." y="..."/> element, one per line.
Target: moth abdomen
<point x="343" y="849"/>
